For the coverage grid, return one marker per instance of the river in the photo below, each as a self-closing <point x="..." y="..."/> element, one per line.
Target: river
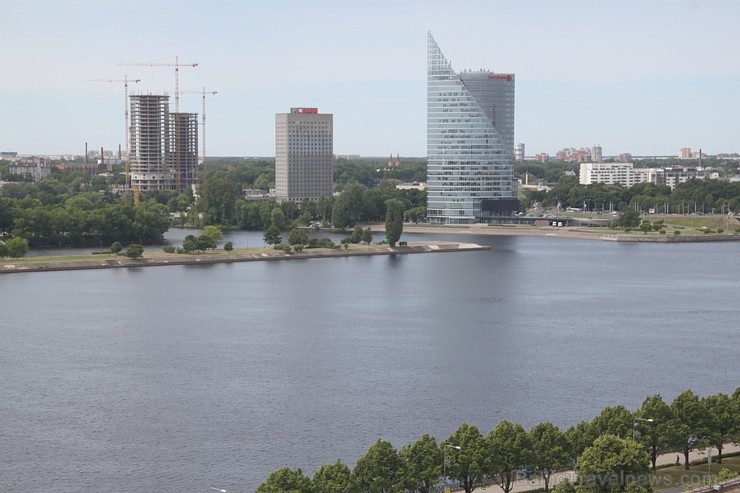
<point x="173" y="379"/>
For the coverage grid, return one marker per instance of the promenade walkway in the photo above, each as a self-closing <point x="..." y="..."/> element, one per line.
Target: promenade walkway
<point x="533" y="483"/>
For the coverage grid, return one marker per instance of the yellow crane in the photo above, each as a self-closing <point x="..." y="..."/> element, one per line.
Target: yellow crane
<point x="204" y="93"/>
<point x="125" y="81"/>
<point x="177" y="66"/>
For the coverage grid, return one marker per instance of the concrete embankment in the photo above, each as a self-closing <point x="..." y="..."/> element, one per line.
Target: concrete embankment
<point x="158" y="259"/>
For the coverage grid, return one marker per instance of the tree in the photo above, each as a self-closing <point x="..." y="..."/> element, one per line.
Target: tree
<point x="611" y="464"/>
<point x="228" y="246"/>
<point x="466" y="465"/>
<point x="629" y="219"/>
<point x="3" y="250"/>
<point x="367" y="236"/>
<point x="616" y="420"/>
<point x="272" y="236"/>
<point x="134" y="250"/>
<point x="577" y="439"/>
<point x="16" y="247"/>
<point x="548" y="451"/>
<point x="331" y="478"/>
<point x="394" y="221"/>
<point x="686" y="423"/>
<point x="422" y="464"/>
<point x="116" y="247"/>
<point x="214" y="233"/>
<point x="646" y="227"/>
<point x="655" y="433"/>
<point x="509" y="451"/>
<point x="297" y="237"/>
<point x="379" y="470"/>
<point x="286" y="481"/>
<point x="189" y="244"/>
<point x="722" y="420"/>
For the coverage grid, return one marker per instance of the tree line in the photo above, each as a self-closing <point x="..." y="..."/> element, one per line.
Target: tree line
<point x="612" y="453"/>
<point x="693" y="196"/>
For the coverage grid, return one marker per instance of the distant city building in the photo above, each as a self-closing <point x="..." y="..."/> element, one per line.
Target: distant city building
<point x="625" y="157"/>
<point x="596" y="156"/>
<point x="37" y="168"/>
<point x="675" y="176"/>
<point x="614" y="174"/>
<point x="470" y="142"/>
<point x="684" y="153"/>
<point x="519" y="152"/>
<point x="542" y="157"/>
<point x="304" y="155"/>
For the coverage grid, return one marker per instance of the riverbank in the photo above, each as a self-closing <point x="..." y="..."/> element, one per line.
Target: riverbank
<point x="600" y="234"/>
<point x="158" y="259"/>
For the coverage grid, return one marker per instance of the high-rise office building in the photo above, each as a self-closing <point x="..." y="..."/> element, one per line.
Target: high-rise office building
<point x="304" y="154"/>
<point x="470" y="142"/>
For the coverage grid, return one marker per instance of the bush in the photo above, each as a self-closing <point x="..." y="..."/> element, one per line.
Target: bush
<point x="228" y="246"/>
<point x="134" y="251"/>
<point x="720" y="231"/>
<point x="180" y="250"/>
<point x="116" y="247"/>
<point x="677" y="232"/>
<point x="169" y="249"/>
<point x="662" y="231"/>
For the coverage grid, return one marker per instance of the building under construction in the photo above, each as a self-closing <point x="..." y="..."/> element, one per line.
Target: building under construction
<point x="163" y="146"/>
<point x="184" y="149"/>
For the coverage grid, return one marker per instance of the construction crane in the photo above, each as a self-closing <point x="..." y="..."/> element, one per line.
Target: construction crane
<point x="204" y="93"/>
<point x="177" y="66"/>
<point x="125" y="81"/>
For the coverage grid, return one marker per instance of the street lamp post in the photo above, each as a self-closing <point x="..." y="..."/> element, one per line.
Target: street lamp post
<point x="634" y="426"/>
<point x="444" y="464"/>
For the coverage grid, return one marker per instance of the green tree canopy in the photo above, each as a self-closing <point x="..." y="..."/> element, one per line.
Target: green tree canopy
<point x="422" y="464"/>
<point x="509" y="451"/>
<point x="722" y="419"/>
<point x="611" y="464"/>
<point x="654" y="434"/>
<point x="286" y="480"/>
<point x="134" y="250"/>
<point x="332" y="478"/>
<point x="16" y="247"/>
<point x="380" y="470"/>
<point x="272" y="236"/>
<point x="394" y="221"/>
<point x="467" y="464"/>
<point x="548" y="451"/>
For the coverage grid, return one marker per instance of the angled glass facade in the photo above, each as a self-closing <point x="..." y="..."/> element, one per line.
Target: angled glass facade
<point x="470" y="142"/>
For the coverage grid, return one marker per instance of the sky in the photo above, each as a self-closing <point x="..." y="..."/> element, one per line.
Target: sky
<point x="640" y="76"/>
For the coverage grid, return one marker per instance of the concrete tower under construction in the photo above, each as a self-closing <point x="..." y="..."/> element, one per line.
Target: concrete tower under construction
<point x="164" y="145"/>
<point x="184" y="149"/>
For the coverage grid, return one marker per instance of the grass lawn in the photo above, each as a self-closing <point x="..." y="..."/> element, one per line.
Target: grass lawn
<point x="674" y="477"/>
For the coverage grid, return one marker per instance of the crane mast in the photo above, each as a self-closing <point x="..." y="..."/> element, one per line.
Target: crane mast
<point x="125" y="81"/>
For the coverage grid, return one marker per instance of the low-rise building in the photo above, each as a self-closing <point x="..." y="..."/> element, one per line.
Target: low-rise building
<point x="37" y="168"/>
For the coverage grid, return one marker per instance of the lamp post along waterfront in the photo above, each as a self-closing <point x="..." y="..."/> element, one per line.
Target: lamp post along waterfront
<point x="634" y="426"/>
<point x="444" y="465"/>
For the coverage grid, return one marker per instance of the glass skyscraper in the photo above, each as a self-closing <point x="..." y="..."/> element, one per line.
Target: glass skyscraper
<point x="470" y="142"/>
